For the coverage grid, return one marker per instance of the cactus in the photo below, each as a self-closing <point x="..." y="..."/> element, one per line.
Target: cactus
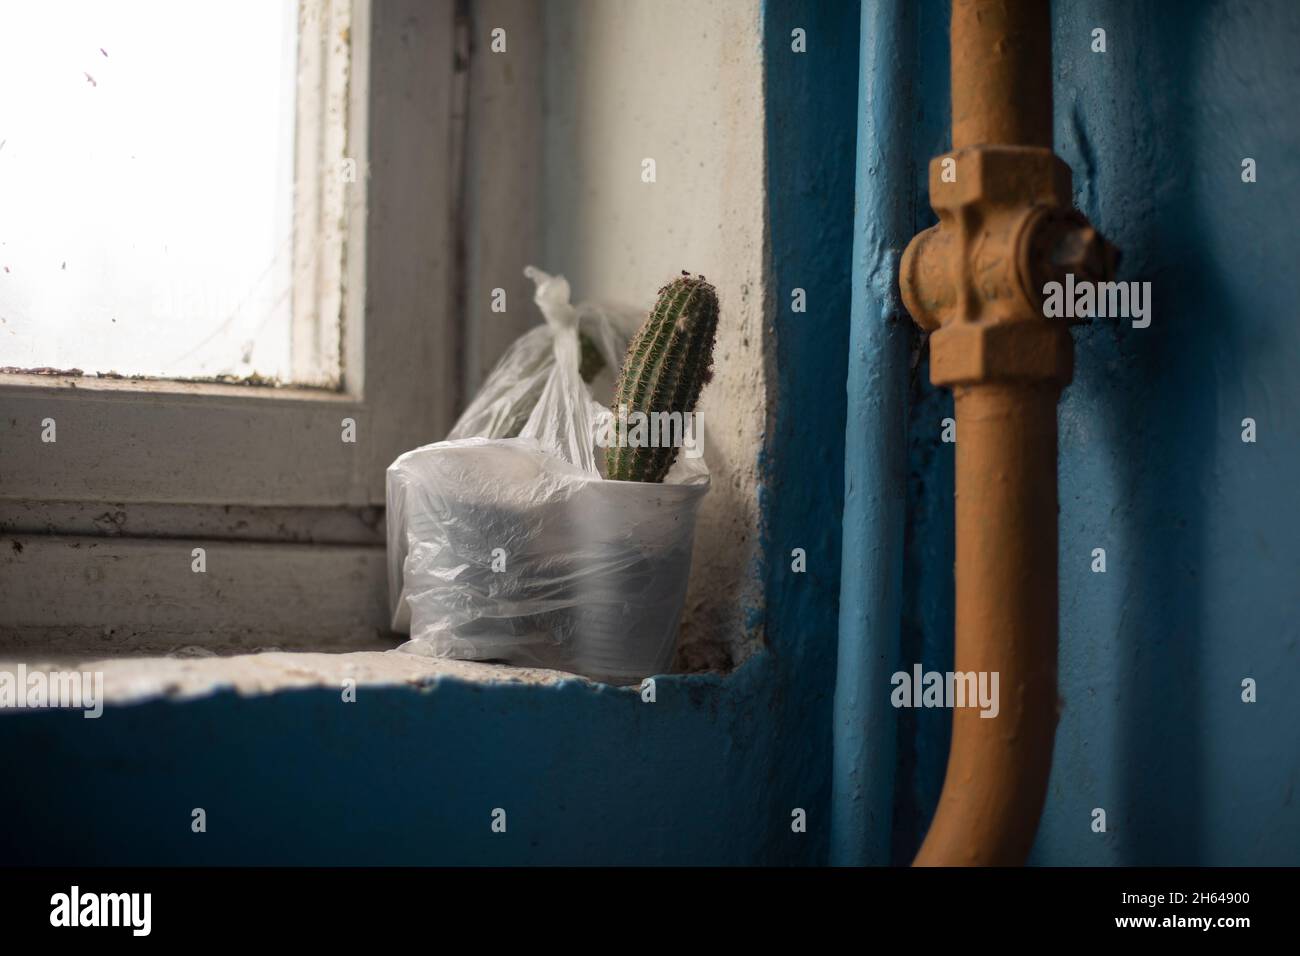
<point x="667" y="364"/>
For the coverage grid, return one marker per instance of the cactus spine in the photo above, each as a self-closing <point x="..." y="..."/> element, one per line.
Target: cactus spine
<point x="667" y="364"/>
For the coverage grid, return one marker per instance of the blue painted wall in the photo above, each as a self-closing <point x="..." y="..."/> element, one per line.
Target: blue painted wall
<point x="1201" y="531"/>
<point x="875" y="444"/>
<point x="811" y="133"/>
<point x="407" y="776"/>
<point x="709" y="773"/>
<point x="927" y="611"/>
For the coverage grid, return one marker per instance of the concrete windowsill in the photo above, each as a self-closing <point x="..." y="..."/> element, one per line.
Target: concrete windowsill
<point x="130" y="680"/>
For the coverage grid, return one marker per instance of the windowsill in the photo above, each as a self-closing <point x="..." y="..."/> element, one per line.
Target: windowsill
<point x="132" y="680"/>
<point x="135" y="387"/>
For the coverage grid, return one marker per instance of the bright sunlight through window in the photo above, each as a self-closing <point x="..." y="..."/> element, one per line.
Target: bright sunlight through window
<point x="147" y="164"/>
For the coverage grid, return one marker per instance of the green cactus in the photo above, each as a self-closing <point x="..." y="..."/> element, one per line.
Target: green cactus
<point x="667" y="364"/>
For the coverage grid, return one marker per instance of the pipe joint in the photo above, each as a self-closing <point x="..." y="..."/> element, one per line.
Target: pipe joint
<point x="1006" y="227"/>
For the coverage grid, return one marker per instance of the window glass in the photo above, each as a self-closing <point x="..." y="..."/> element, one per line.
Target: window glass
<point x="146" y="186"/>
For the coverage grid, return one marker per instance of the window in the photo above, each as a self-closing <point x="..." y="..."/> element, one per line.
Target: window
<point x="178" y="173"/>
<point x="286" y="374"/>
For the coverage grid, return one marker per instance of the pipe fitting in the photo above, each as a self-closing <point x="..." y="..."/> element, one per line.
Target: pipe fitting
<point x="1060" y="242"/>
<point x="975" y="280"/>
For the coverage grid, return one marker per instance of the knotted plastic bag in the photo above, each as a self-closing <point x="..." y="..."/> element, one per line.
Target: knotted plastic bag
<point x="505" y="542"/>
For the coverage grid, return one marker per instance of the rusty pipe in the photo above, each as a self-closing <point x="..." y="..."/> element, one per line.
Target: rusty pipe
<point x="1006" y="624"/>
<point x="1001" y="73"/>
<point x="974" y="281"/>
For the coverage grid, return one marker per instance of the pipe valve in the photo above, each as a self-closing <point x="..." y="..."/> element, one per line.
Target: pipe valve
<point x="1006" y="228"/>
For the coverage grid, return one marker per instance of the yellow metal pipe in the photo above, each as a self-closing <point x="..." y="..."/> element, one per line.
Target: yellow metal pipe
<point x="1001" y="73"/>
<point x="1006" y="624"/>
<point x="1006" y="220"/>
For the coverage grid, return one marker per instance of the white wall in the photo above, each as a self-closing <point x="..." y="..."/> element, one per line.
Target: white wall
<point x="679" y="82"/>
<point x="621" y="81"/>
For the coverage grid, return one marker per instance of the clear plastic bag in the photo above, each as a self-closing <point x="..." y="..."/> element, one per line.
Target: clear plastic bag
<point x="515" y="548"/>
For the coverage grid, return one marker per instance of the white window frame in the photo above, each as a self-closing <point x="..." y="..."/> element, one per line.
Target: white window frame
<point x="103" y="520"/>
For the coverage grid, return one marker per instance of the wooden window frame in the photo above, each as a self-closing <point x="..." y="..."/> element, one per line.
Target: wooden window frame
<point x="168" y="463"/>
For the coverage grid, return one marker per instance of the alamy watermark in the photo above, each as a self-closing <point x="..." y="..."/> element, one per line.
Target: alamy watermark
<point x="38" y="689"/>
<point x="1085" y="299"/>
<point x="130" y="910"/>
<point x="951" y="689"/>
<point x="637" y="429"/>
